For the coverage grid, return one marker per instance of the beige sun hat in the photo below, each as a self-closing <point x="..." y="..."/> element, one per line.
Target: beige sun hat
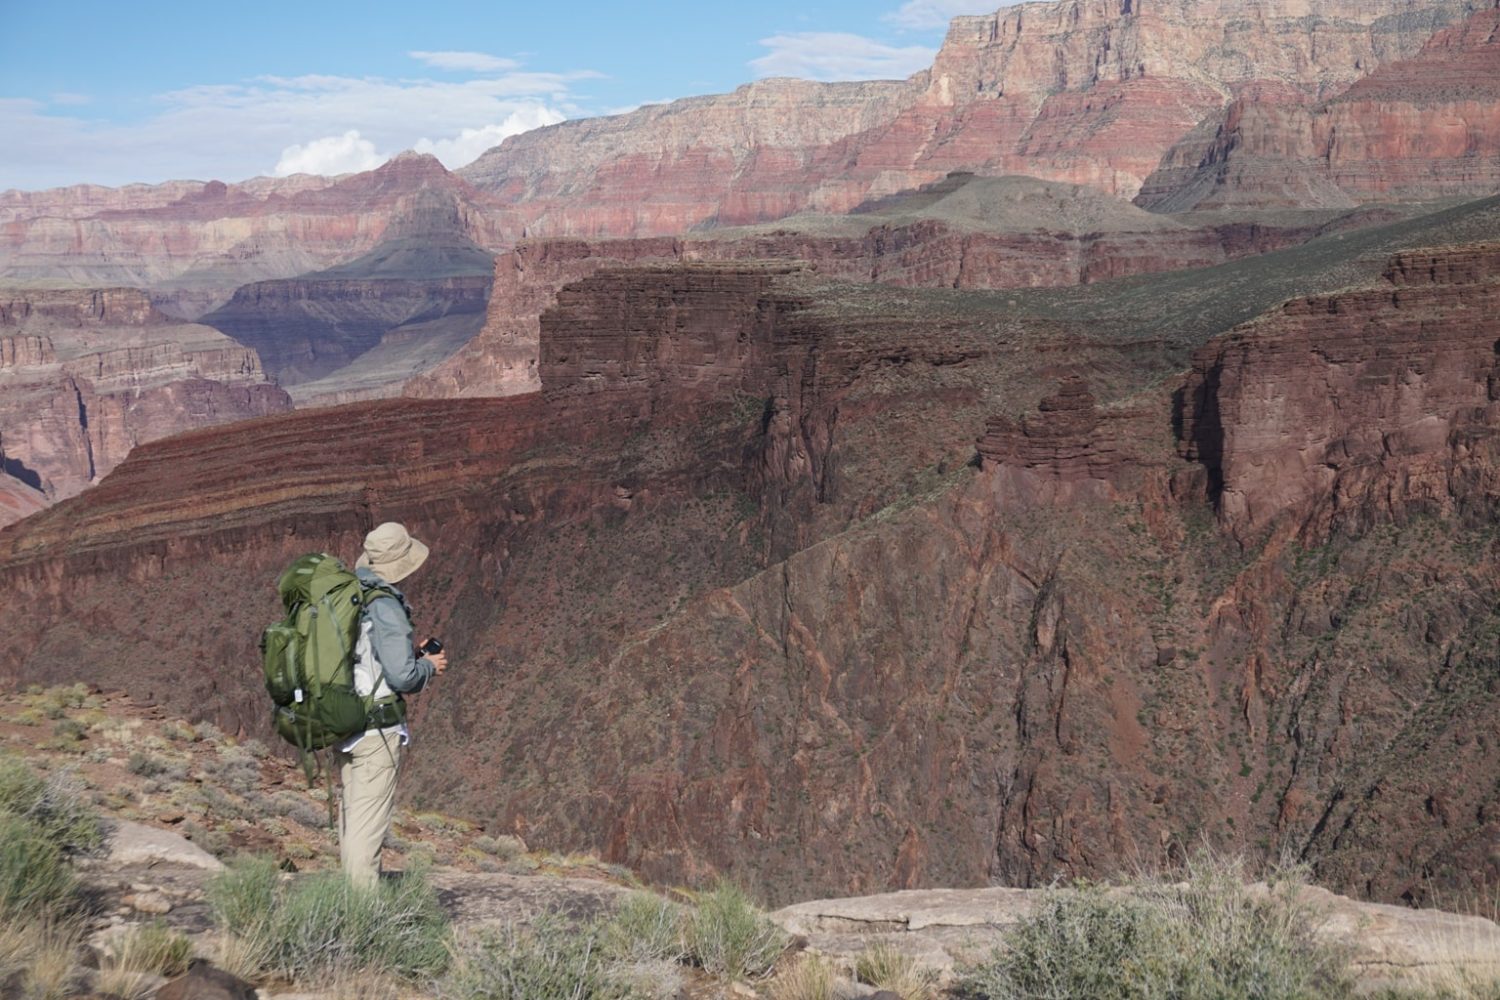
<point x="392" y="552"/>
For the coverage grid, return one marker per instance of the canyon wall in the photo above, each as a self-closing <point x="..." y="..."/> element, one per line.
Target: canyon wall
<point x="1351" y="408"/>
<point x="729" y="596"/>
<point x="209" y="239"/>
<point x="85" y="376"/>
<point x="1421" y="127"/>
<point x="1093" y="92"/>
<point x="307" y="328"/>
<point x="1126" y="98"/>
<point x="963" y="232"/>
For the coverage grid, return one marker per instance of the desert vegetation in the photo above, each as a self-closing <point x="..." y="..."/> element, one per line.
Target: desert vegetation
<point x="1215" y="929"/>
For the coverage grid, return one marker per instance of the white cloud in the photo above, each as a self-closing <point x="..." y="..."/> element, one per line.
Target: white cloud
<point x="70" y="98"/>
<point x="926" y="15"/>
<point x="470" y="143"/>
<point x="471" y="62"/>
<point x="233" y="131"/>
<point x="828" y="55"/>
<point x="335" y="154"/>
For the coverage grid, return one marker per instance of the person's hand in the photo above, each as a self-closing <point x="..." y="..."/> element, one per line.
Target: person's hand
<point x="439" y="662"/>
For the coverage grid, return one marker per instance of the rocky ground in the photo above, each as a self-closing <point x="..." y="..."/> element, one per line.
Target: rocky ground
<point x="181" y="800"/>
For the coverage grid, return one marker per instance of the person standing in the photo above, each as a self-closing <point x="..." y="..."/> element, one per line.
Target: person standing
<point x="387" y="665"/>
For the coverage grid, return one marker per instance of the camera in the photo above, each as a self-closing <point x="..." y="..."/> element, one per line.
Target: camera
<point x="430" y="646"/>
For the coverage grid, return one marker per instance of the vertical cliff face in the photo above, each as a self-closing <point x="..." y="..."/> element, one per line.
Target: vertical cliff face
<point x="501" y="360"/>
<point x="88" y="375"/>
<point x="1352" y="408"/>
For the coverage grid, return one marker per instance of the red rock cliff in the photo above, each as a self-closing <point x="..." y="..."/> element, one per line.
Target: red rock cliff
<point x="1085" y="91"/>
<point x="1415" y="128"/>
<point x="88" y="375"/>
<point x="1353" y="407"/>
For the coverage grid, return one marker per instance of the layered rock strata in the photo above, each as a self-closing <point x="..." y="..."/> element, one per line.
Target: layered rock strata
<point x="209" y="239"/>
<point x="1102" y="93"/>
<point x="1366" y="402"/>
<point x="730" y="599"/>
<point x="962" y="232"/>
<point x="1423" y="127"/>
<point x="88" y="375"/>
<point x="1090" y="92"/>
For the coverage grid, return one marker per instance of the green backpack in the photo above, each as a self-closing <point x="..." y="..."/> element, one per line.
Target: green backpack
<point x="309" y="658"/>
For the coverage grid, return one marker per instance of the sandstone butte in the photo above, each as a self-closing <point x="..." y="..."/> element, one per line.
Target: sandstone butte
<point x="86" y="375"/>
<point x="738" y="593"/>
<point x="1332" y="103"/>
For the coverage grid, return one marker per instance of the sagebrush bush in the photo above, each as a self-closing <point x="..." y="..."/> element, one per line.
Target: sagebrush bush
<point x="504" y="847"/>
<point x="644" y="928"/>
<point x="549" y="960"/>
<point x="322" y="927"/>
<point x="145" y="765"/>
<point x="729" y="936"/>
<point x="1208" y="937"/>
<point x="57" y="805"/>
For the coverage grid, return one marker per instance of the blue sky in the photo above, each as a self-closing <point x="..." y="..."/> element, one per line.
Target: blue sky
<point x="112" y="92"/>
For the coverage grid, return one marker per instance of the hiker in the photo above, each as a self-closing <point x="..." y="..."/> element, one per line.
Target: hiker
<point x="386" y="663"/>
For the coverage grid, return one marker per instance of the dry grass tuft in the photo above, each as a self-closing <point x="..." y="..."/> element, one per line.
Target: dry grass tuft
<point x="887" y="968"/>
<point x="45" y="955"/>
<point x="809" y="977"/>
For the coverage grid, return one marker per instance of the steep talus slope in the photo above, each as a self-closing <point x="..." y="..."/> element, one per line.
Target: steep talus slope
<point x="729" y="595"/>
<point x="87" y="375"/>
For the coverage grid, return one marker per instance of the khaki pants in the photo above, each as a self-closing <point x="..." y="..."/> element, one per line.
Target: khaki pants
<point x="368" y="774"/>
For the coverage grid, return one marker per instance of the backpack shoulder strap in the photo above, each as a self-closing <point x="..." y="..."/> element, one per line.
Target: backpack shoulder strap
<point x="373" y="592"/>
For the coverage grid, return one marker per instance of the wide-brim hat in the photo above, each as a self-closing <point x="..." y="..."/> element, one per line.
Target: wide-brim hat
<point x="391" y="552"/>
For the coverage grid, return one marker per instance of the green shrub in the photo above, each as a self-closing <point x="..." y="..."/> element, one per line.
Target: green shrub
<point x="549" y="960"/>
<point x="56" y="805"/>
<point x="145" y="765"/>
<point x="729" y="936"/>
<point x="1210" y="937"/>
<point x="322" y="927"/>
<point x="504" y="847"/>
<point x="35" y="878"/>
<point x="1083" y="944"/>
<point x="644" y="927"/>
<point x="244" y="895"/>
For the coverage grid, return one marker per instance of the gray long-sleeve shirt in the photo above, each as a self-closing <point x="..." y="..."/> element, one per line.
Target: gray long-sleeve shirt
<point x="391" y="639"/>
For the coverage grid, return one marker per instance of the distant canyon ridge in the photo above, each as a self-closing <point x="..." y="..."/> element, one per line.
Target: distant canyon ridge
<point x="1082" y="449"/>
<point x="1235" y="127"/>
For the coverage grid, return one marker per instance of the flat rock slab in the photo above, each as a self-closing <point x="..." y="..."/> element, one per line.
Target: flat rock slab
<point x="475" y="899"/>
<point x="948" y="928"/>
<point x="136" y="844"/>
